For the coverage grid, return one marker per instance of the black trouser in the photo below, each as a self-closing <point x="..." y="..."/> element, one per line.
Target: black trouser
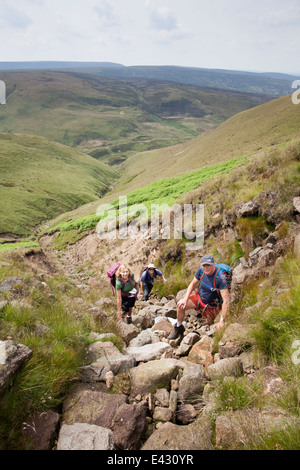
<point x="147" y="288"/>
<point x="127" y="303"/>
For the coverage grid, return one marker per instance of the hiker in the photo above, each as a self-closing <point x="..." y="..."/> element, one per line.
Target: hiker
<point x="148" y="278"/>
<point x="206" y="299"/>
<point x="127" y="290"/>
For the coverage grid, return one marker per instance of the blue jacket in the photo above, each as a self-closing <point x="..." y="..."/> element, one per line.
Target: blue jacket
<point x="148" y="279"/>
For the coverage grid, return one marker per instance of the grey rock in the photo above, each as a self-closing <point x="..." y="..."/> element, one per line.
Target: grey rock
<point x="142" y="339"/>
<point x="162" y="414"/>
<point x="106" y="358"/>
<point x="163" y="397"/>
<point x="195" y="436"/>
<point x="149" y="352"/>
<point x="12" y="357"/>
<point x="191" y="382"/>
<point x="225" y="367"/>
<point x="42" y="429"/>
<point x="148" y="377"/>
<point x="11" y="283"/>
<point x="236" y="337"/>
<point x="83" y="436"/>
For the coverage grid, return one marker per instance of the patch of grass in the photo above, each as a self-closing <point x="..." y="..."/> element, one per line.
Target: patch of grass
<point x="153" y="196"/>
<point x="56" y="329"/>
<point x="287" y="438"/>
<point x="16" y="246"/>
<point x="236" y="394"/>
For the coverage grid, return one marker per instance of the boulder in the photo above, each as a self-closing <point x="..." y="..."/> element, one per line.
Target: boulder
<point x="163" y="324"/>
<point x="201" y="352"/>
<point x="42" y="429"/>
<point x="83" y="436"/>
<point x="148" y="377"/>
<point x="186" y="413"/>
<point x="86" y="405"/>
<point x="129" y="425"/>
<point x="247" y="209"/>
<point x="270" y="379"/>
<point x="149" y="352"/>
<point x="249" y="362"/>
<point x="127" y="332"/>
<point x="195" y="436"/>
<point x="200" y="356"/>
<point x="12" y="357"/>
<point x="106" y="358"/>
<point x="12" y="284"/>
<point x="191" y="382"/>
<point x="162" y="396"/>
<point x="187" y="343"/>
<point x="225" y="367"/>
<point x="162" y="414"/>
<point x="235" y="338"/>
<point x="144" y="318"/>
<point x="142" y="339"/>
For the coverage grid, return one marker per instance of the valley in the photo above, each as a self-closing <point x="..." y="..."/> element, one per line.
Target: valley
<point x="70" y="142"/>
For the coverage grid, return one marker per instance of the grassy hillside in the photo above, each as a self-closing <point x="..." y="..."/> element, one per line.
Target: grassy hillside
<point x="165" y="191"/>
<point x="111" y="118"/>
<point x="40" y="179"/>
<point x="244" y="134"/>
<point x="248" y="133"/>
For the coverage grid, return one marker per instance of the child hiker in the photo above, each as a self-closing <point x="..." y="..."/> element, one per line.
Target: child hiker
<point x="127" y="290"/>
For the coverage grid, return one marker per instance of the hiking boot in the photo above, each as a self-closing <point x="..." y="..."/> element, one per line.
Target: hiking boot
<point x="176" y="332"/>
<point x="128" y="320"/>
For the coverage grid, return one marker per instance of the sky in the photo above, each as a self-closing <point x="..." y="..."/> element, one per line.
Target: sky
<point x="256" y="35"/>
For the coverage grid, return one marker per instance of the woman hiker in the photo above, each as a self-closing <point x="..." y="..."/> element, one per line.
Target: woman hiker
<point x="148" y="278"/>
<point x="127" y="290"/>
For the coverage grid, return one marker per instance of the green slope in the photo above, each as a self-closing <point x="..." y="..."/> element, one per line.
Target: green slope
<point x="113" y="119"/>
<point x="40" y="179"/>
<point x="246" y="134"/>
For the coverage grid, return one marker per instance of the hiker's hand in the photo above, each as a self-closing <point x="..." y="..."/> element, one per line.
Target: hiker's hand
<point x="182" y="303"/>
<point x="220" y="325"/>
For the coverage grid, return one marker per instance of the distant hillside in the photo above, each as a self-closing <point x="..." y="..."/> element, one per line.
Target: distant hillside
<point x="266" y="83"/>
<point x="111" y="119"/>
<point x="52" y="65"/>
<point x="40" y="179"/>
<point x="246" y="134"/>
<point x="276" y="84"/>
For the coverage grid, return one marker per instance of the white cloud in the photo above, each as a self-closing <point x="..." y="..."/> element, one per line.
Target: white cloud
<point x="163" y="19"/>
<point x="256" y="35"/>
<point x="105" y="12"/>
<point x="12" y="17"/>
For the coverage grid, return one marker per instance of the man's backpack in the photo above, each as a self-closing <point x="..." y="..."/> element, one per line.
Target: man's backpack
<point x="112" y="276"/>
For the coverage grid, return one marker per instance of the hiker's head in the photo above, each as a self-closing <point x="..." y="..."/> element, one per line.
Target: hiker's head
<point x="207" y="264"/>
<point x="151" y="268"/>
<point x="123" y="271"/>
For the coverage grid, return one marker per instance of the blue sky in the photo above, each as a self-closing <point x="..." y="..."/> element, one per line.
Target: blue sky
<point x="256" y="35"/>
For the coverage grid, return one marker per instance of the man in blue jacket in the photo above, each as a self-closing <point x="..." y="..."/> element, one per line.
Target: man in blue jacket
<point x="206" y="299"/>
<point x="148" y="278"/>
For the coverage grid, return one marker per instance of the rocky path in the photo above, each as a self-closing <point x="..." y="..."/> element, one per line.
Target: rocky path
<point x="157" y="394"/>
